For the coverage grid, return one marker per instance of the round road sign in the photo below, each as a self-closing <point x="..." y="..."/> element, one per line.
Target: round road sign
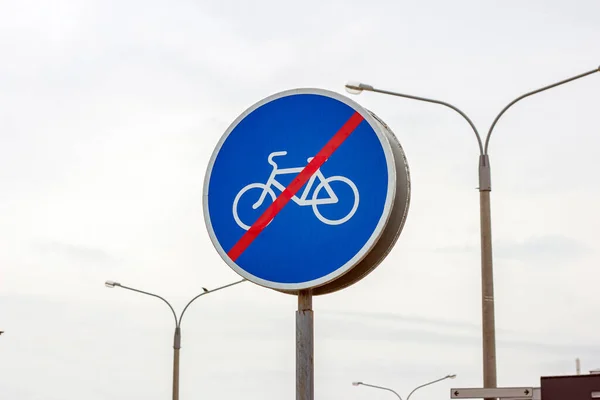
<point x="306" y="190"/>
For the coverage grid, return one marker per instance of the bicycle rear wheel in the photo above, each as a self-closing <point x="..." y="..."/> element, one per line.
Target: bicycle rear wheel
<point x="251" y="197"/>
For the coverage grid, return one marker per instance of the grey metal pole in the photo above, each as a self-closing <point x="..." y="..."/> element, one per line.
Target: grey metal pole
<point x="176" y="347"/>
<point x="487" y="292"/>
<point x="305" y="385"/>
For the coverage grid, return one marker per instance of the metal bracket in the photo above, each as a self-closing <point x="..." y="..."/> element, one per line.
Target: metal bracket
<point x="177" y="339"/>
<point x="485" y="176"/>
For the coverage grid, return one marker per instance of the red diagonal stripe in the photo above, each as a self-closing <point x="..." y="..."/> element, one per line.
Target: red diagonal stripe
<point x="299" y="181"/>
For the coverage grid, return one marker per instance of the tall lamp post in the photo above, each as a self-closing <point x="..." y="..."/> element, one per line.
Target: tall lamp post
<point x="485" y="187"/>
<point x="452" y="376"/>
<point x="177" y="335"/>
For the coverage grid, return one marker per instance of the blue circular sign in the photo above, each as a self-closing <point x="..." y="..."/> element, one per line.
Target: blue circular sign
<point x="299" y="189"/>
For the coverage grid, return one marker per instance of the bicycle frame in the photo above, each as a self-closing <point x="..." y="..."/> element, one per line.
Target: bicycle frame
<point x="302" y="200"/>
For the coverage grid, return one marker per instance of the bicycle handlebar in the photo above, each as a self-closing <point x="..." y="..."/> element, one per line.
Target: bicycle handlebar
<point x="275" y="154"/>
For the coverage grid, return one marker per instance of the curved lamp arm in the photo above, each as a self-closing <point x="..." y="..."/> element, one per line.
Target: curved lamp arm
<point x="487" y="139"/>
<point x="376" y="387"/>
<point x="202" y="294"/>
<point x="430" y="383"/>
<point x="484" y="162"/>
<point x="356" y="88"/>
<point x="147" y="293"/>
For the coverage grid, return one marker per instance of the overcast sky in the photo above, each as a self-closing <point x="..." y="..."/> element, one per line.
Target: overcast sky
<point x="109" y="111"/>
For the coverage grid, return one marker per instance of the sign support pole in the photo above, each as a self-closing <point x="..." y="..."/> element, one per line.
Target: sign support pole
<point x="305" y="368"/>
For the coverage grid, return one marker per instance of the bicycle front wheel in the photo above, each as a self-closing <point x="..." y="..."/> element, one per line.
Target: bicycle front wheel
<point x="316" y="204"/>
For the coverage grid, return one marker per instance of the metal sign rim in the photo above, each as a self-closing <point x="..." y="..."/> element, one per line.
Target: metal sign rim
<point x="381" y="224"/>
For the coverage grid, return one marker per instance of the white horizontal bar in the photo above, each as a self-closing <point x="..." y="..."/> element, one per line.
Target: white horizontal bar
<point x="480" y="393"/>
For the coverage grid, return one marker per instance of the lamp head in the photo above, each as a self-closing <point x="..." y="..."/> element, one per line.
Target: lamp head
<point x="357" y="87"/>
<point x="451" y="376"/>
<point x="111" y="284"/>
<point x="356" y="383"/>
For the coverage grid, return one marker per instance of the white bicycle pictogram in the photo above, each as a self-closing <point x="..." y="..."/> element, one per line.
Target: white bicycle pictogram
<point x="303" y="200"/>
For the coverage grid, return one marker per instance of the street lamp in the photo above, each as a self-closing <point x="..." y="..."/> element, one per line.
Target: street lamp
<point x="451" y="376"/>
<point x="177" y="335"/>
<point x="485" y="186"/>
